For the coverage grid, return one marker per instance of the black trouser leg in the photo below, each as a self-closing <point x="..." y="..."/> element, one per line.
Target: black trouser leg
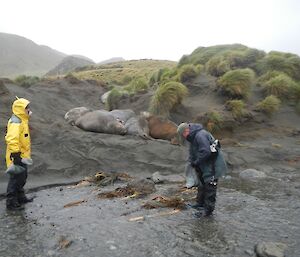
<point x="201" y="191"/>
<point x="15" y="186"/>
<point x="210" y="195"/>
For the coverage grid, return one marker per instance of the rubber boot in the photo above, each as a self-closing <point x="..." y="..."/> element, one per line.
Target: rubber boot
<point x="22" y="198"/>
<point x="25" y="199"/>
<point x="12" y="204"/>
<point x="197" y="206"/>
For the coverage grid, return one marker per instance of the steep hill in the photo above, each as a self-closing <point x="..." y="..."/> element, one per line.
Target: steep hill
<point x="19" y="55"/>
<point x="68" y="64"/>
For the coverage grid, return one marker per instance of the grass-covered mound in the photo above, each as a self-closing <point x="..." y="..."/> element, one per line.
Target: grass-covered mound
<point x="166" y="97"/>
<point x="221" y="58"/>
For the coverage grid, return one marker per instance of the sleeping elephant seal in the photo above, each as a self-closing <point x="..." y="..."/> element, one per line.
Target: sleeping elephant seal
<point x="135" y="125"/>
<point x="100" y="121"/>
<point x="123" y="115"/>
<point x="138" y="126"/>
<point x="72" y="115"/>
<point x="161" y="128"/>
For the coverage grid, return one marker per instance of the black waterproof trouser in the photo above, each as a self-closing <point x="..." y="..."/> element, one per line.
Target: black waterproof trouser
<point x="207" y="193"/>
<point x="15" y="186"/>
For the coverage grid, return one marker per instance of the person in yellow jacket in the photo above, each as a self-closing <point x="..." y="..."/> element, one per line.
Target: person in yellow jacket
<point x="18" y="148"/>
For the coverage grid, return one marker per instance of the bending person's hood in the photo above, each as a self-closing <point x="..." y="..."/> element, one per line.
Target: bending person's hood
<point x="194" y="129"/>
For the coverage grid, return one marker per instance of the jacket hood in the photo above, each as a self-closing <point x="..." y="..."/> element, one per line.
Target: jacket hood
<point x="18" y="108"/>
<point x="194" y="128"/>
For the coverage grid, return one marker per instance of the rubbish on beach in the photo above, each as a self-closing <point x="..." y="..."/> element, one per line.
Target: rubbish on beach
<point x="119" y="192"/>
<point x="75" y="203"/>
<point x="63" y="242"/>
<point x="136" y="188"/>
<point x="163" y="202"/>
<point x="107" y="178"/>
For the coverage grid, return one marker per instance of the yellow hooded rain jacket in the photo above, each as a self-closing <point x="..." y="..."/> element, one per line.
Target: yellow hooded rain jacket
<point x="18" y="137"/>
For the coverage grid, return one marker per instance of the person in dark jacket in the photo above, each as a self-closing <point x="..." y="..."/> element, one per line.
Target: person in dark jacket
<point x="206" y="158"/>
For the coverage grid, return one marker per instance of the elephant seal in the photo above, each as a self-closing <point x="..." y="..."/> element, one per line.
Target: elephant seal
<point x="72" y="115"/>
<point x="135" y="125"/>
<point x="123" y="115"/>
<point x="100" y="121"/>
<point x="161" y="128"/>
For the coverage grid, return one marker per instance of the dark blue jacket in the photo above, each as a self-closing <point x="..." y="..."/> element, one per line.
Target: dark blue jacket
<point x="200" y="154"/>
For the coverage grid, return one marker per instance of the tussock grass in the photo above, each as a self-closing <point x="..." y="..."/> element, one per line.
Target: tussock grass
<point x="237" y="108"/>
<point x="279" y="86"/>
<point x="217" y="66"/>
<point x="166" y="97"/>
<point x="136" y="85"/>
<point x="279" y="61"/>
<point x="267" y="76"/>
<point x="237" y="83"/>
<point x="163" y="76"/>
<point x="295" y="91"/>
<point x="112" y="101"/>
<point x="26" y="81"/>
<point x="187" y="72"/>
<point x="269" y="105"/>
<point x="214" y="122"/>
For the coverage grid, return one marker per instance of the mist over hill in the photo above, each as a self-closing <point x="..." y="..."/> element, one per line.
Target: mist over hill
<point x="112" y="60"/>
<point x="19" y="55"/>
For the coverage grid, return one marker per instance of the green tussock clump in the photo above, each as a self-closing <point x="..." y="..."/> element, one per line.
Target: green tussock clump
<point x="136" y="85"/>
<point x="187" y="72"/>
<point x="279" y="61"/>
<point x="166" y="97"/>
<point x="267" y="76"/>
<point x="112" y="101"/>
<point x="214" y="122"/>
<point x="279" y="86"/>
<point x="26" y="81"/>
<point x="237" y="108"/>
<point x="295" y="91"/>
<point x="269" y="105"/>
<point x="237" y="83"/>
<point x="217" y="66"/>
<point x="163" y="76"/>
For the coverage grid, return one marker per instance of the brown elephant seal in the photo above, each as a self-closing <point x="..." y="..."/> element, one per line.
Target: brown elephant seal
<point x="135" y="125"/>
<point x="72" y="115"/>
<point x="100" y="121"/>
<point x="161" y="128"/>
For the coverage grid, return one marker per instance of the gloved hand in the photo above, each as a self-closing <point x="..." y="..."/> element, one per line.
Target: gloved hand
<point x="16" y="157"/>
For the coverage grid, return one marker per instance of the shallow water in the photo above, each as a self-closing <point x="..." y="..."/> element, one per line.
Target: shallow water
<point x="245" y="215"/>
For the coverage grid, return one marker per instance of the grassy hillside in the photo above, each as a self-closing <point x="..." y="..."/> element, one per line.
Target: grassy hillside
<point x="68" y="64"/>
<point x="122" y="73"/>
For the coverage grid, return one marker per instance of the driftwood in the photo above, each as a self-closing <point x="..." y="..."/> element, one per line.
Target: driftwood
<point x="160" y="214"/>
<point x="75" y="203"/>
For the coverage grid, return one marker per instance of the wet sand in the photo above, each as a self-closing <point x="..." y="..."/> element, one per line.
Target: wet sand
<point x="247" y="211"/>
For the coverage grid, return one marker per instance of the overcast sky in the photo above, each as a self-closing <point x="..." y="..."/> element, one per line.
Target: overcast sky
<point x="157" y="29"/>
